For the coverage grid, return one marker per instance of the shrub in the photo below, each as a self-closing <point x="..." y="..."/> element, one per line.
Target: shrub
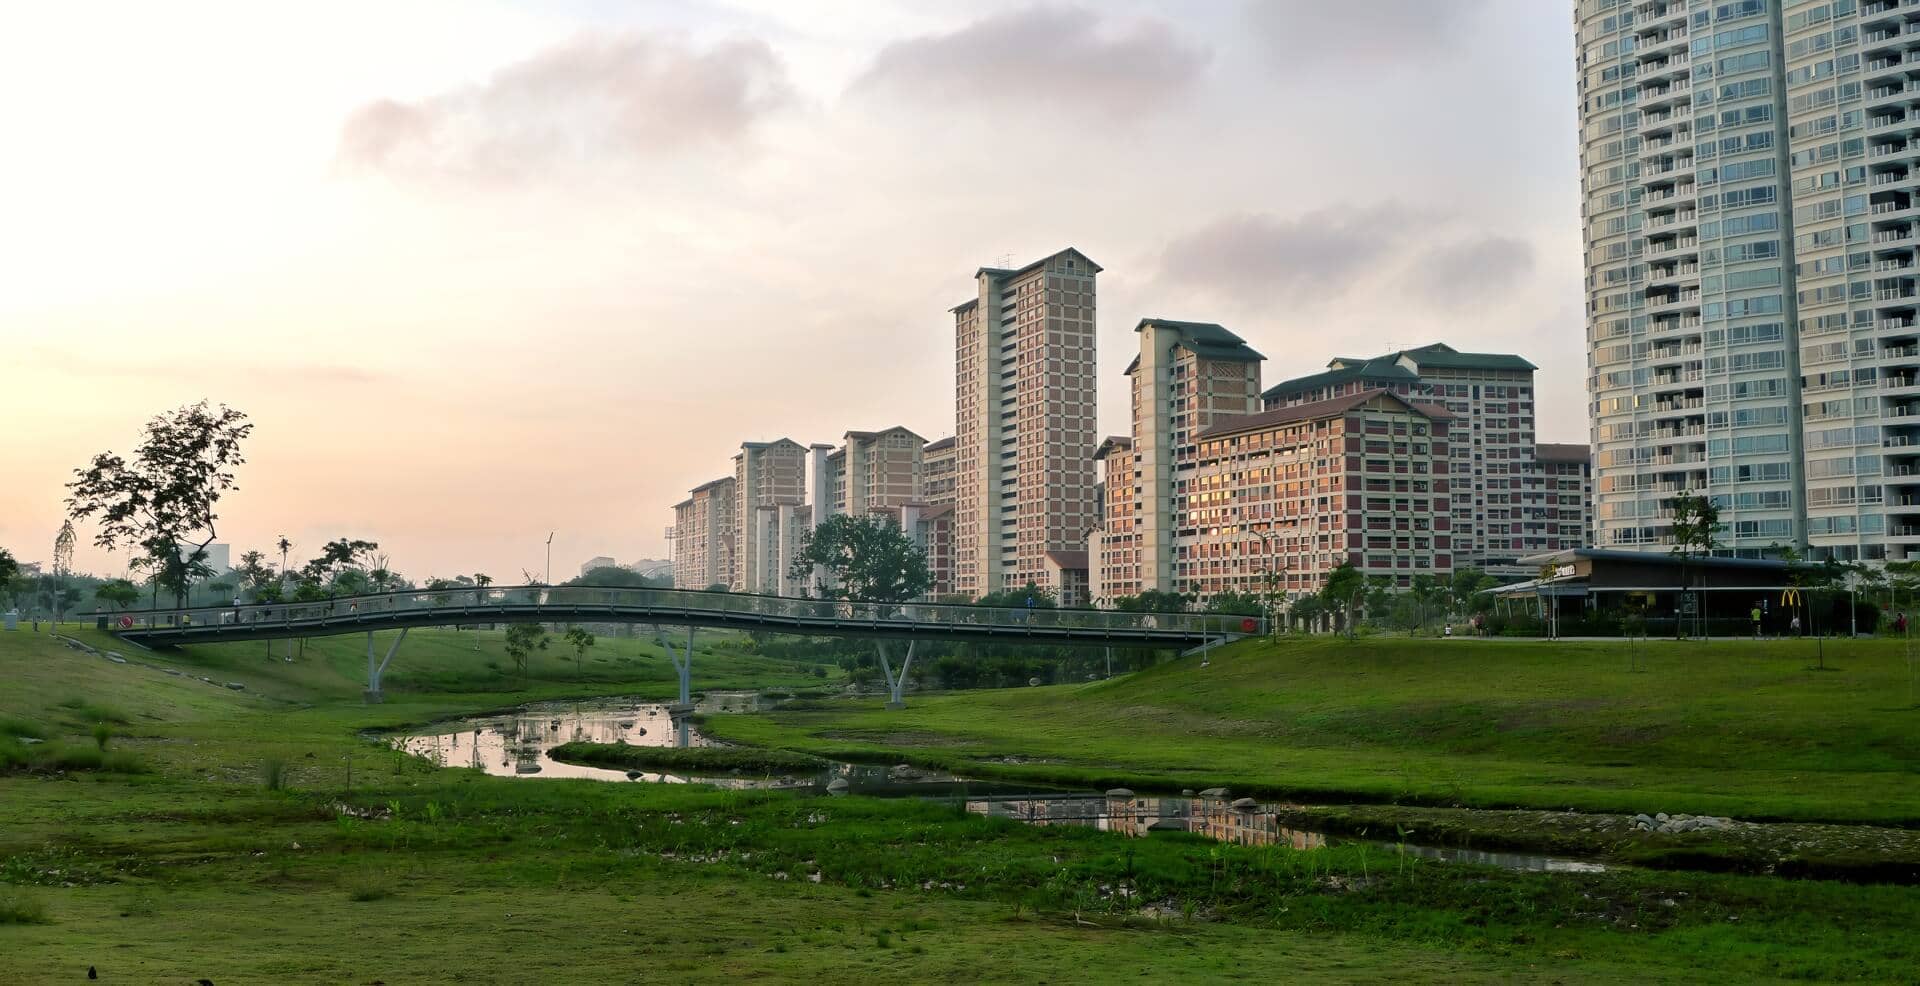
<point x="90" y="711"/>
<point x="17" y="907"/>
<point x="273" y="774"/>
<point x="369" y="885"/>
<point x="16" y="726"/>
<point x="101" y="734"/>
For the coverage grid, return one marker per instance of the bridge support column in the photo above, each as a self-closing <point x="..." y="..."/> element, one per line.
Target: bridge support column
<point x="896" y="685"/>
<point x="683" y="663"/>
<point x="374" y="671"/>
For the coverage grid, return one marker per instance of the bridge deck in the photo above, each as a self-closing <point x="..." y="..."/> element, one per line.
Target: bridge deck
<point x="675" y="607"/>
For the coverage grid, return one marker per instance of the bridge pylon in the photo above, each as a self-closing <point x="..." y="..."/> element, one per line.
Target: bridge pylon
<point x="374" y="671"/>
<point x="896" y="685"/>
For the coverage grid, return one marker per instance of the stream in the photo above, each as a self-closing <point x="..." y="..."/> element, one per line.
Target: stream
<point x="517" y="744"/>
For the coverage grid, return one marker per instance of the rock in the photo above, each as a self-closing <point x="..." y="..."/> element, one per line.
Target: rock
<point x="172" y="671"/>
<point x="1662" y="817"/>
<point x="1186" y="792"/>
<point x="1643" y="819"/>
<point x="1245" y="804"/>
<point x="1214" y="792"/>
<point x="1119" y="792"/>
<point x="117" y="659"/>
<point x="236" y="686"/>
<point x="838" y="785"/>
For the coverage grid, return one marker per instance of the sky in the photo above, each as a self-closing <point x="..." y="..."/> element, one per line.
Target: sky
<point x="479" y="272"/>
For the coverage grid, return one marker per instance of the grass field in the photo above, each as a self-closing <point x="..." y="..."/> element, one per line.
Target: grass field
<point x="239" y="853"/>
<point x="1740" y="728"/>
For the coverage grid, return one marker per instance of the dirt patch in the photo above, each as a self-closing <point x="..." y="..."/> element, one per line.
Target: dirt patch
<point x="917" y="738"/>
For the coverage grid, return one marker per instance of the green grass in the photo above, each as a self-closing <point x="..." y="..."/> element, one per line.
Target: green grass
<point x="1734" y="728"/>
<point x="697" y="760"/>
<point x="446" y="874"/>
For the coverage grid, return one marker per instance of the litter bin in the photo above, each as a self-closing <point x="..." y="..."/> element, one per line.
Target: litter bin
<point x="11" y="619"/>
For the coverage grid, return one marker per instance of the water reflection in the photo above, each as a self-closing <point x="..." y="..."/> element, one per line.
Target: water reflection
<point x="515" y="744"/>
<point x="1243" y="822"/>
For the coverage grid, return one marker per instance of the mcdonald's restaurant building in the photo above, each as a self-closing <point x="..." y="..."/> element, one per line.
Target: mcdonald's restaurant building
<point x="1605" y="580"/>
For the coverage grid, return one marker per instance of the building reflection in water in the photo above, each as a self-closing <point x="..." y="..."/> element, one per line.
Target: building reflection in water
<point x="1215" y="818"/>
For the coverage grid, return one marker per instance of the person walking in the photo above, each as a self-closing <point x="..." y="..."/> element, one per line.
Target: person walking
<point x="1756" y="623"/>
<point x="1900" y="624"/>
<point x="1795" y="625"/>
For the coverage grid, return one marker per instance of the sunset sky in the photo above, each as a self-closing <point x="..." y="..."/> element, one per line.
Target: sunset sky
<point x="478" y="271"/>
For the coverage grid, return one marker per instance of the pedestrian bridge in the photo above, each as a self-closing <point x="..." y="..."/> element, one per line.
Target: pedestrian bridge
<point x="675" y="607"/>
<point x="881" y="622"/>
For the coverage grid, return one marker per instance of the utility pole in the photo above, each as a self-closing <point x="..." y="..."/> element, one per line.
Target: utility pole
<point x="549" y="579"/>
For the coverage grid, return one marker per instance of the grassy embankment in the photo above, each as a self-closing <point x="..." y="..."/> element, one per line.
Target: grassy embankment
<point x="229" y="857"/>
<point x="1736" y="728"/>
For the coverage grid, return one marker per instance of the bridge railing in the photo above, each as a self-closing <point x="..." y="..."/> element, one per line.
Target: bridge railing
<point x="474" y="605"/>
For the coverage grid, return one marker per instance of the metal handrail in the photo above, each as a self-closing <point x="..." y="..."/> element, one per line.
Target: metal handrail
<point x="670" y="606"/>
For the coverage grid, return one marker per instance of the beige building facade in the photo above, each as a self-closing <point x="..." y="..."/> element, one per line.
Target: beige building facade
<point x="1025" y="421"/>
<point x="766" y="474"/>
<point x="703" y="536"/>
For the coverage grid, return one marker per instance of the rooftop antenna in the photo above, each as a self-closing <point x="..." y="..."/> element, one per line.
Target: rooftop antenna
<point x="1006" y="261"/>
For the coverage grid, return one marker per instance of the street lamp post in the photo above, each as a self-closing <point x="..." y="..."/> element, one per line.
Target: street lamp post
<point x="1272" y="577"/>
<point x="548" y="580"/>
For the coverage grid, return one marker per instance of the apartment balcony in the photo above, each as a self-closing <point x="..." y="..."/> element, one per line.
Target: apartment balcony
<point x="1887" y="150"/>
<point x="1891" y="207"/>
<point x="1888" y="178"/>
<point x="1900" y="352"/>
<point x="1893" y="236"/>
<point x="1680" y="245"/>
<point x="1896" y="324"/>
<point x="1884" y="266"/>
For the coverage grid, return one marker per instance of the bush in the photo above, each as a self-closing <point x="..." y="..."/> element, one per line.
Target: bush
<point x="16" y="726"/>
<point x="101" y="734"/>
<point x="17" y="907"/>
<point x="273" y="774"/>
<point x="369" y="885"/>
<point x="89" y="711"/>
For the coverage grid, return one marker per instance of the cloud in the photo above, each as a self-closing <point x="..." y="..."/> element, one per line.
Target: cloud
<point x="1256" y="262"/>
<point x="1312" y="32"/>
<point x="1471" y="272"/>
<point x="593" y="99"/>
<point x="1059" y="57"/>
<point x="1260" y="260"/>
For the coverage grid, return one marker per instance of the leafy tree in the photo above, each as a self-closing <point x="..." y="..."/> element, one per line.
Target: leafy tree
<point x="1342" y="591"/>
<point x="863" y="558"/>
<point x="1020" y="598"/>
<point x="482" y="579"/>
<point x="1468" y="585"/>
<point x="1154" y="601"/>
<point x="523" y="639"/>
<point x="613" y="576"/>
<point x="9" y="568"/>
<point x="1696" y="526"/>
<point x="1307" y="610"/>
<point x="1379" y="596"/>
<point x="1237" y="604"/>
<point x="164" y="498"/>
<point x="578" y="639"/>
<point x="1425" y="590"/>
<point x="254" y="573"/>
<point x="341" y="566"/>
<point x="118" y="593"/>
<point x="719" y="587"/>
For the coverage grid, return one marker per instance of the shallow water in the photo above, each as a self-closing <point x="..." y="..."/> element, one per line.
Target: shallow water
<point x="516" y="744"/>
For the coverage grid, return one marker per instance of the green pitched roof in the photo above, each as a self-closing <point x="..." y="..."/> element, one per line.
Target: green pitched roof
<point x="1380" y="369"/>
<point x="1442" y="355"/>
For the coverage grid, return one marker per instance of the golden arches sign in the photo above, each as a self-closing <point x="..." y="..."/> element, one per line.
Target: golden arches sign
<point x="1790" y="596"/>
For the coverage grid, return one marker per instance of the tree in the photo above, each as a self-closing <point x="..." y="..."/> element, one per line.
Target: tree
<point x="254" y="573"/>
<point x="523" y="639"/>
<point x="1379" y="596"/>
<point x="1342" y="590"/>
<point x="1424" y="589"/>
<point x="578" y="639"/>
<point x="9" y="568"/>
<point x="1237" y="604"/>
<point x="1696" y="526"/>
<point x="1154" y="601"/>
<point x="341" y="566"/>
<point x="118" y="593"/>
<point x="862" y="558"/>
<point x="1467" y="586"/>
<point x="613" y="576"/>
<point x="1032" y="596"/>
<point x="164" y="498"/>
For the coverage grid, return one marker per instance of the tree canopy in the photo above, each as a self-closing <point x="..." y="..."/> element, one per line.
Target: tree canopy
<point x="863" y="558"/>
<point x="163" y="500"/>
